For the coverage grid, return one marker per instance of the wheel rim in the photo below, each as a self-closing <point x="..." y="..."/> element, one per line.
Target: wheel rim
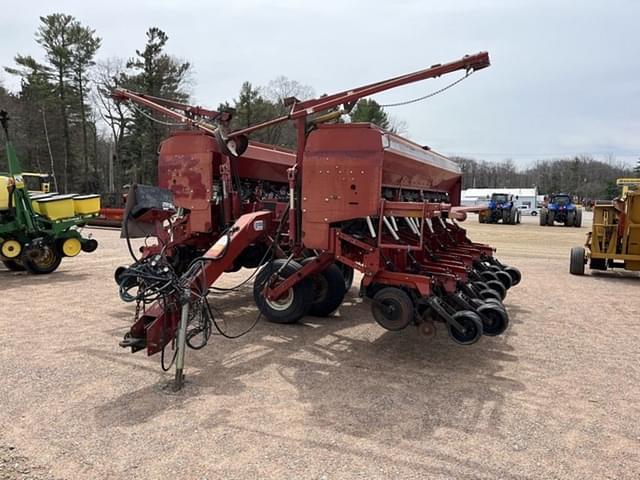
<point x="11" y="249"/>
<point x="71" y="247"/>
<point x="282" y="303"/>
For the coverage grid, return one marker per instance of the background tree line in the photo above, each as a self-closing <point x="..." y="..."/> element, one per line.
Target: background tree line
<point x="65" y="122"/>
<point x="582" y="176"/>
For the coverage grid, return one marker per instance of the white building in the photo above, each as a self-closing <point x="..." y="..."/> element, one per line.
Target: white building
<point x="480" y="196"/>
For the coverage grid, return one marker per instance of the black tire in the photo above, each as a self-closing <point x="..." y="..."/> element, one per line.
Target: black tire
<point x="498" y="287"/>
<point x="487" y="275"/>
<point x="297" y="300"/>
<point x="551" y="216"/>
<point x="472" y="324"/>
<point x="392" y="308"/>
<point x="47" y="261"/>
<point x="504" y="278"/>
<point x="576" y="263"/>
<point x="488" y="294"/>
<point x="515" y="274"/>
<point x="569" y="219"/>
<point x="347" y="274"/>
<point x="534" y="213"/>
<point x="328" y="290"/>
<point x="578" y="221"/>
<point x="480" y="285"/>
<point x="506" y="217"/>
<point x="14" y="265"/>
<point x="543" y="218"/>
<point x="494" y="319"/>
<point x="90" y="245"/>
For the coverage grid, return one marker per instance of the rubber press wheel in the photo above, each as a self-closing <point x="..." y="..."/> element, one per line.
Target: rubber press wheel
<point x="471" y="328"/>
<point x="14" y="265"/>
<point x="328" y="290"/>
<point x="43" y="260"/>
<point x="494" y="319"/>
<point x="498" y="287"/>
<point x="294" y="303"/>
<point x="515" y="275"/>
<point x="504" y="278"/>
<point x="392" y="308"/>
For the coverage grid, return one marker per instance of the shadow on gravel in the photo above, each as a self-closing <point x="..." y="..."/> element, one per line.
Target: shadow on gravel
<point x="352" y="377"/>
<point x="617" y="276"/>
<point x="21" y="279"/>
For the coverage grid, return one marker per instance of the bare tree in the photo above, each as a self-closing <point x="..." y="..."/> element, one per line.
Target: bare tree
<point x="106" y="76"/>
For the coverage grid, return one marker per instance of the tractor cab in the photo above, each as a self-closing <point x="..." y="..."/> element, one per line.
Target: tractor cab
<point x="561" y="201"/>
<point x="500" y="199"/>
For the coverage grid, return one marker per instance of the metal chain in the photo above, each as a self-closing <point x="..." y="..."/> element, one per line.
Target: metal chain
<point x="429" y="95"/>
<point x="137" y="314"/>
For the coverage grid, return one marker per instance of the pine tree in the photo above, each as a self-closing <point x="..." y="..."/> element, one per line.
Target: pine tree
<point x="368" y="110"/>
<point x="156" y="73"/>
<point x="54" y="35"/>
<point x="84" y="46"/>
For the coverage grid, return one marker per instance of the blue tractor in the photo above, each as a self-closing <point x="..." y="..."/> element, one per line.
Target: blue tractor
<point x="561" y="209"/>
<point x="500" y="208"/>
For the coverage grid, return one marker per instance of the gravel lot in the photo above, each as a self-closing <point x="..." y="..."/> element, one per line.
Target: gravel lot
<point x="557" y="396"/>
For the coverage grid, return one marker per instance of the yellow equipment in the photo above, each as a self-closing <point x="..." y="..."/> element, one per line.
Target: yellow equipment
<point x="71" y="247"/>
<point x="4" y="193"/>
<point x="86" y="204"/>
<point x="614" y="240"/>
<point x="57" y="207"/>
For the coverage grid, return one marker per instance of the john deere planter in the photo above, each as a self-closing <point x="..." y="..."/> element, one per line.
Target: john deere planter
<point x="37" y="231"/>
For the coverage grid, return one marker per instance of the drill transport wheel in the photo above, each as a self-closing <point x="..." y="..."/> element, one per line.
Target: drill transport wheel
<point x="294" y="304"/>
<point x="392" y="308"/>
<point x="328" y="290"/>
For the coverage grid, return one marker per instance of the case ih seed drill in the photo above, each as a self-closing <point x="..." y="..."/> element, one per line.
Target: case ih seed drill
<point x="350" y="197"/>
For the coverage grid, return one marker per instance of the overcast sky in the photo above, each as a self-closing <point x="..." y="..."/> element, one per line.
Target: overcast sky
<point x="565" y="75"/>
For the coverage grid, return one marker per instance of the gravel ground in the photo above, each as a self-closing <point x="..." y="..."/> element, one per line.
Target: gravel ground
<point x="557" y="396"/>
